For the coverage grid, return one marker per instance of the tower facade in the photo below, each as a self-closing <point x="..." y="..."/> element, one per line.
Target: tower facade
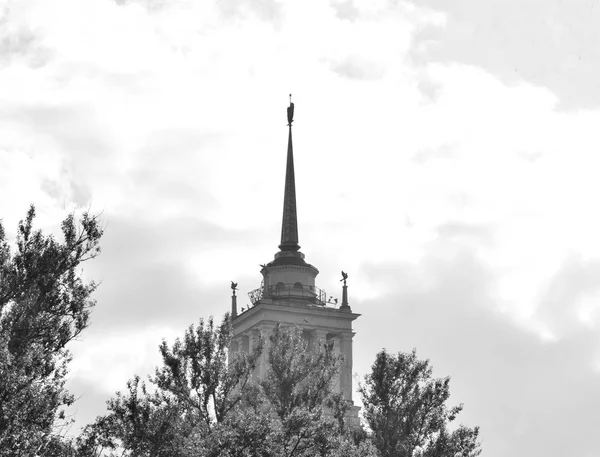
<point x="288" y="295"/>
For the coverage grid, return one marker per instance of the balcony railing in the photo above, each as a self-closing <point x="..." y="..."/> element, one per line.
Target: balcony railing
<point x="255" y="295"/>
<point x="288" y="290"/>
<point x="297" y="290"/>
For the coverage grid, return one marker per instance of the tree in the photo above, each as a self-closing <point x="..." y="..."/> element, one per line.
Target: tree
<point x="292" y="411"/>
<point x="298" y="377"/>
<point x="192" y="392"/>
<point x="297" y="385"/>
<point x="44" y="304"/>
<point x="247" y="431"/>
<point x="204" y="402"/>
<point x="406" y="410"/>
<point x="197" y="372"/>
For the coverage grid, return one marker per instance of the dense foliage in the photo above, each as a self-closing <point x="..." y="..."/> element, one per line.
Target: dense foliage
<point x="44" y="304"/>
<point x="190" y="394"/>
<point x="203" y="400"/>
<point x="202" y="404"/>
<point x="405" y="408"/>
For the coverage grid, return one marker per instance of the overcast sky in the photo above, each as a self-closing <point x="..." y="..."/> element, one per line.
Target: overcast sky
<point x="446" y="157"/>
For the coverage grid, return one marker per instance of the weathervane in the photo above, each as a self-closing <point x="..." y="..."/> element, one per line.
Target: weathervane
<point x="290" y="112"/>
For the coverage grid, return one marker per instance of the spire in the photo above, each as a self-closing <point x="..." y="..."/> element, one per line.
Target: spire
<point x="289" y="225"/>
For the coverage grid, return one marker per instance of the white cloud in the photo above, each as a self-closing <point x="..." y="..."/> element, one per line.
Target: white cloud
<point x="109" y="360"/>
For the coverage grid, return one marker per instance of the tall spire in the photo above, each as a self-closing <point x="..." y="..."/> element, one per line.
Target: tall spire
<point x="289" y="225"/>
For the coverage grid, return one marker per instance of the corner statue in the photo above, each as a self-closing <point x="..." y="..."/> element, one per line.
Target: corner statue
<point x="290" y="111"/>
<point x="344" y="277"/>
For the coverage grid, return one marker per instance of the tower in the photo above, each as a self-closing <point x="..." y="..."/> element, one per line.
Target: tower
<point x="288" y="295"/>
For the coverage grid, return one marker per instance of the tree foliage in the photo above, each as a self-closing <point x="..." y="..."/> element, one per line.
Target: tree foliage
<point x="197" y="373"/>
<point x="297" y="377"/>
<point x="44" y="304"/>
<point x="297" y="384"/>
<point x="190" y="394"/>
<point x="205" y="401"/>
<point x="246" y="431"/>
<point x="405" y="408"/>
<point x="291" y="411"/>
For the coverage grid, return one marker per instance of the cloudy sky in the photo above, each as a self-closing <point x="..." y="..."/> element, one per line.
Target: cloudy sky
<point x="446" y="157"/>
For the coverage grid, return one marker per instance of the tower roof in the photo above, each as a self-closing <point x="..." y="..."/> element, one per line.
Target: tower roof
<point x="289" y="224"/>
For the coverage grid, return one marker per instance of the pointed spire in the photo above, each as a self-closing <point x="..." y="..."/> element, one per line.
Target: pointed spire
<point x="289" y="225"/>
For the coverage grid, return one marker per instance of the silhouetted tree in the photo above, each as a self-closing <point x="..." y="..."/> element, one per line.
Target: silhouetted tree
<point x="292" y="411"/>
<point x="191" y="393"/>
<point x="203" y="402"/>
<point x="406" y="410"/>
<point x="297" y="385"/>
<point x="44" y="304"/>
<point x="247" y="431"/>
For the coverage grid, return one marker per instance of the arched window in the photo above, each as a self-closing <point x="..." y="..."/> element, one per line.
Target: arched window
<point x="298" y="285"/>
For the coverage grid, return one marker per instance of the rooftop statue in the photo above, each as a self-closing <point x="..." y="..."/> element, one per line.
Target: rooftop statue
<point x="344" y="277"/>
